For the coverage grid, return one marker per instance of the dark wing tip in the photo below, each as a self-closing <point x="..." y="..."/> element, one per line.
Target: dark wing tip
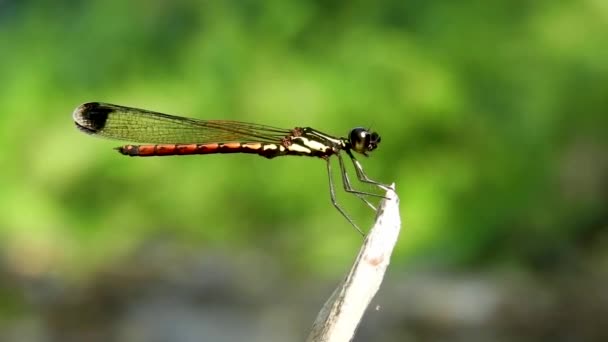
<point x="91" y="117"/>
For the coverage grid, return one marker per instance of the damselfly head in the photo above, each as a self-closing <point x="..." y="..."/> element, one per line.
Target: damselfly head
<point x="363" y="140"/>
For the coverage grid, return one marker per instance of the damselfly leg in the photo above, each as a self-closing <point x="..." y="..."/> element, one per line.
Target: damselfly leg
<point x="332" y="194"/>
<point x="363" y="176"/>
<point x="348" y="187"/>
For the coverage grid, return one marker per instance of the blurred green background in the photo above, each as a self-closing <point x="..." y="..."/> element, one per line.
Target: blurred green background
<point x="494" y="129"/>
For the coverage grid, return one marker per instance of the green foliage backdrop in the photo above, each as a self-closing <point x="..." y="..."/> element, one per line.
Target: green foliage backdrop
<point x="492" y="116"/>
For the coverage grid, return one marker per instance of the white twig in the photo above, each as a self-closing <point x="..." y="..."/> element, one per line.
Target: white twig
<point x="341" y="314"/>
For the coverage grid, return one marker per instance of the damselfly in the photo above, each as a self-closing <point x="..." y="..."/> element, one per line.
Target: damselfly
<point x="173" y="135"/>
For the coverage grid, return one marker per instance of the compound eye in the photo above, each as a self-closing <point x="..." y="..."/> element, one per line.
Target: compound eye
<point x="374" y="139"/>
<point x="360" y="140"/>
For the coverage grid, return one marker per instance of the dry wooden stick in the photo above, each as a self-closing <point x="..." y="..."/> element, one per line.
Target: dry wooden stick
<point x="341" y="314"/>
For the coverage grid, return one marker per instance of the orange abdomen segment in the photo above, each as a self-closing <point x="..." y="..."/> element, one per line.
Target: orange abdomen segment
<point x="267" y="150"/>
